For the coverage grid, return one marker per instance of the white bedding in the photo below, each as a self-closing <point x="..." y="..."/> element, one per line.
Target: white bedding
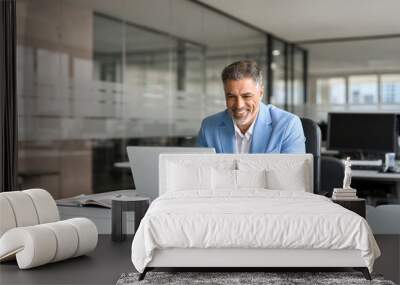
<point x="251" y="218"/>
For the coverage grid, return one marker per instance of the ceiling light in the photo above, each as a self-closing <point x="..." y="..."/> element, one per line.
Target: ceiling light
<point x="276" y="52"/>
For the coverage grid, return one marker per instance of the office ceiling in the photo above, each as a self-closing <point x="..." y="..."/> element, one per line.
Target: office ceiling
<point x="293" y="20"/>
<point x="179" y="18"/>
<point x="316" y="19"/>
<point x="305" y="20"/>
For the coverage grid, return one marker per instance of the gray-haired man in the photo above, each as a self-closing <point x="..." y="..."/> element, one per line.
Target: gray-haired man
<point x="248" y="125"/>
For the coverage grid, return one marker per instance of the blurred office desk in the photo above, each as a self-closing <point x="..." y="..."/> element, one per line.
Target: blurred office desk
<point x="123" y="164"/>
<point x="375" y="175"/>
<point x="377" y="187"/>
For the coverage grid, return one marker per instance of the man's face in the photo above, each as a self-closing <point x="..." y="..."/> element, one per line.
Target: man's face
<point x="243" y="100"/>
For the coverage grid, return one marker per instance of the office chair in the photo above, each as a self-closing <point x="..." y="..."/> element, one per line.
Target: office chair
<point x="332" y="174"/>
<point x="312" y="133"/>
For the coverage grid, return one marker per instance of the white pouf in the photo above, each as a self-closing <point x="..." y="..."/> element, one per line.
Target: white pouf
<point x="31" y="233"/>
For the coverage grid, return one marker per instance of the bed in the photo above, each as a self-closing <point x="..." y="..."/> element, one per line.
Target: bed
<point x="224" y="210"/>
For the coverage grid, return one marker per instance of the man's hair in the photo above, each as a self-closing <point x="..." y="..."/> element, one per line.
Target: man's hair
<point x="243" y="69"/>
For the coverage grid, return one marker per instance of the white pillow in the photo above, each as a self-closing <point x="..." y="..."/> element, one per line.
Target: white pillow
<point x="229" y="179"/>
<point x="251" y="178"/>
<point x="293" y="179"/>
<point x="183" y="177"/>
<point x="224" y="179"/>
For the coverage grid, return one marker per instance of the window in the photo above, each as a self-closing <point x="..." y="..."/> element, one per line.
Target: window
<point x="363" y="89"/>
<point x="331" y="91"/>
<point x="390" y="88"/>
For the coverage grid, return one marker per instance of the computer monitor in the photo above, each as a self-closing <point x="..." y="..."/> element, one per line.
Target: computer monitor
<point x="363" y="132"/>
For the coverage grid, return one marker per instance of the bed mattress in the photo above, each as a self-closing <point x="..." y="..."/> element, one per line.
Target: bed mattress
<point x="251" y="219"/>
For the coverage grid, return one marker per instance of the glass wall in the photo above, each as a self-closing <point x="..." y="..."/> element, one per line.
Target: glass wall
<point x="363" y="89"/>
<point x="331" y="91"/>
<point x="278" y="70"/>
<point x="297" y="79"/>
<point x="360" y="75"/>
<point x="287" y="75"/>
<point x="359" y="90"/>
<point x="390" y="88"/>
<point x="96" y="76"/>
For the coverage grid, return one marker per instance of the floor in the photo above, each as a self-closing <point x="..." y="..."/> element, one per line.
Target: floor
<point x="110" y="260"/>
<point x="102" y="266"/>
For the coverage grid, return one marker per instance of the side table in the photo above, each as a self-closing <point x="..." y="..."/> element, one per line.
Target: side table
<point x="139" y="205"/>
<point x="356" y="205"/>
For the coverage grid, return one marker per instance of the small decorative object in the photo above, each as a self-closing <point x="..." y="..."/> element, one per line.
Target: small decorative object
<point x="345" y="193"/>
<point x="347" y="174"/>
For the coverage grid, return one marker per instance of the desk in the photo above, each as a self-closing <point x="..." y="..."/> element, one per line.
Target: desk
<point x="382" y="191"/>
<point x="123" y="164"/>
<point x="375" y="175"/>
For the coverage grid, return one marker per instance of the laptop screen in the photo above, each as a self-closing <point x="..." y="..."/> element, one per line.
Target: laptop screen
<point x="143" y="161"/>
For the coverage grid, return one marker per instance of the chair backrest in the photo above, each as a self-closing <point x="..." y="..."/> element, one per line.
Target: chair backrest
<point x="312" y="132"/>
<point x="26" y="208"/>
<point x="180" y="172"/>
<point x="332" y="174"/>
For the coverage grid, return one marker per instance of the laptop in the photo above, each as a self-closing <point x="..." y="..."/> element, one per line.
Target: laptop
<point x="143" y="161"/>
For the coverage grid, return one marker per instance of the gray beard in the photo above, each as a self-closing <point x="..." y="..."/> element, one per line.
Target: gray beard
<point x="239" y="122"/>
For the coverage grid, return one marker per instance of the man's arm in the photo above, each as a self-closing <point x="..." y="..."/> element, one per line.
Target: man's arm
<point x="294" y="141"/>
<point x="201" y="139"/>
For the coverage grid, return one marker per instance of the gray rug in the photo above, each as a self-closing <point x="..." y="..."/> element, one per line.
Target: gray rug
<point x="228" y="278"/>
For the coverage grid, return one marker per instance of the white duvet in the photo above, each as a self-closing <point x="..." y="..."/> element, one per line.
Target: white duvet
<point x="250" y="218"/>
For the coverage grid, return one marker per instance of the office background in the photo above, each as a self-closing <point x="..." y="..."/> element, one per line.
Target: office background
<point x="96" y="76"/>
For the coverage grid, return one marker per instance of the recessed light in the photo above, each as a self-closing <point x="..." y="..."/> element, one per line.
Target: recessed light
<point x="276" y="52"/>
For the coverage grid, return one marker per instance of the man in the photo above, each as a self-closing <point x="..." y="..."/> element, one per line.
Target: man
<point x="248" y="125"/>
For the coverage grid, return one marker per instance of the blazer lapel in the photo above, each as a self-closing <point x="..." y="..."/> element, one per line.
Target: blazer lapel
<point x="262" y="131"/>
<point x="226" y="134"/>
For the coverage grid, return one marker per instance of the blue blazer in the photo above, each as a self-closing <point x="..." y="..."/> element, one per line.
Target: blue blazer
<point x="275" y="131"/>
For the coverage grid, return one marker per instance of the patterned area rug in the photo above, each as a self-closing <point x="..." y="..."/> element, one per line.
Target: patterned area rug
<point x="229" y="278"/>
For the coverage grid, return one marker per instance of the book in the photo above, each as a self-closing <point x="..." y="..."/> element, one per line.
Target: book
<point x="347" y="198"/>
<point x="341" y="190"/>
<point x="97" y="200"/>
<point x="344" y="197"/>
<point x="82" y="201"/>
<point x="345" y="194"/>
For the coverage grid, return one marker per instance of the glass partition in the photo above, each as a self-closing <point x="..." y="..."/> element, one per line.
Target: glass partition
<point x="298" y="91"/>
<point x="97" y="76"/>
<point x="363" y="89"/>
<point x="331" y="91"/>
<point x="390" y="88"/>
<point x="278" y="70"/>
<point x="286" y="75"/>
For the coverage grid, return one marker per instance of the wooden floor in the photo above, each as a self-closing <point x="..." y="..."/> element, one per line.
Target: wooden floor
<point x="111" y="259"/>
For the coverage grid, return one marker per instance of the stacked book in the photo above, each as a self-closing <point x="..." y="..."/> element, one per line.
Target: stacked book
<point x="344" y="194"/>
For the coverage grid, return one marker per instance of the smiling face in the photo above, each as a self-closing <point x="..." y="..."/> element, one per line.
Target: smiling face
<point x="243" y="101"/>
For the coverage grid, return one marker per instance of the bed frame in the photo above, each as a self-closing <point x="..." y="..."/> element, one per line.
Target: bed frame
<point x="242" y="259"/>
<point x="246" y="258"/>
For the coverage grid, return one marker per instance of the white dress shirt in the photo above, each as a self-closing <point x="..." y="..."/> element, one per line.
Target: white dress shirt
<point x="243" y="141"/>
